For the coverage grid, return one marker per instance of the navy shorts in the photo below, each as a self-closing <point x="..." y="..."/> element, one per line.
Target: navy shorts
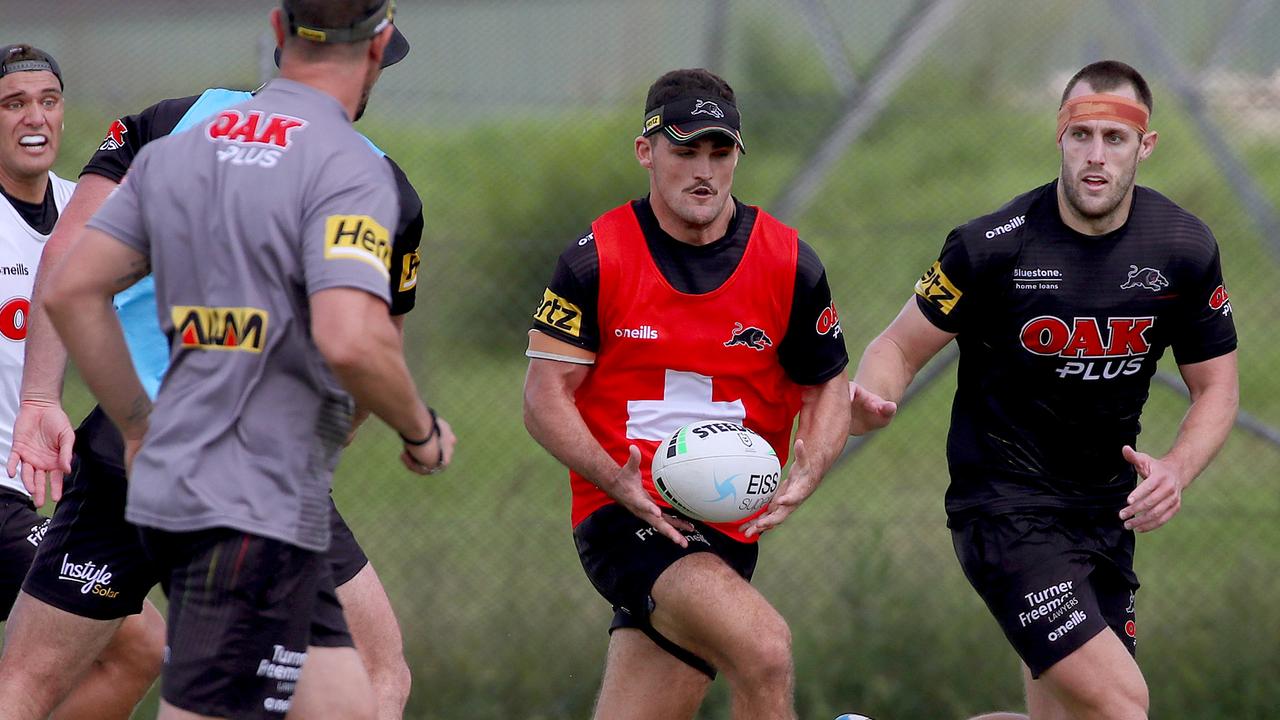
<point x="624" y="557"/>
<point x="1052" y="579"/>
<point x="21" y="530"/>
<point x="242" y="611"/>
<point x="88" y="529"/>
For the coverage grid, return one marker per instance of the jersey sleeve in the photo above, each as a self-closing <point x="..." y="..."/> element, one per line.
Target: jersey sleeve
<point x="347" y="227"/>
<point x="569" y="306"/>
<point x="812" y="351"/>
<point x="1207" y="328"/>
<point x="126" y="137"/>
<point x="945" y="293"/>
<point x="405" y="249"/>
<point x="121" y="214"/>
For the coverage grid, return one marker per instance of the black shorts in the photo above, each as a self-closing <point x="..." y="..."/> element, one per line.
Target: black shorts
<point x="242" y="611"/>
<point x="21" y="529"/>
<point x="88" y="527"/>
<point x="624" y="557"/>
<point x="88" y="531"/>
<point x="1053" y="580"/>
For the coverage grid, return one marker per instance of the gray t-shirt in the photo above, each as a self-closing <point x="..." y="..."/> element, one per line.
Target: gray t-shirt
<point x="243" y="219"/>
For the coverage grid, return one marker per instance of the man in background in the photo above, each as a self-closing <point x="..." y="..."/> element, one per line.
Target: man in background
<point x="1062" y="303"/>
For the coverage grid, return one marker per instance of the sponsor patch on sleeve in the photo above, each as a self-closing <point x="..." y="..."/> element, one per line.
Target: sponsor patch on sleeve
<point x="1219" y="299"/>
<point x="409" y="271"/>
<point x="935" y="287"/>
<point x="115" y="136"/>
<point x="358" y="237"/>
<point x="829" y="321"/>
<point x="559" y="313"/>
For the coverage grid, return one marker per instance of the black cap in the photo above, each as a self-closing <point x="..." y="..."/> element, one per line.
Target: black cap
<point x="362" y="29"/>
<point x="42" y="61"/>
<point x="686" y="119"/>
<point x="395" y="52"/>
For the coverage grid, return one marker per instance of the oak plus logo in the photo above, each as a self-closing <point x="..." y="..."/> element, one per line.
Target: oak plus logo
<point x="13" y="318"/>
<point x="829" y="321"/>
<point x="253" y="138"/>
<point x="1092" y="350"/>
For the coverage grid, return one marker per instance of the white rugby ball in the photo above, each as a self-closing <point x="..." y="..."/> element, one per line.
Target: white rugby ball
<point x="716" y="471"/>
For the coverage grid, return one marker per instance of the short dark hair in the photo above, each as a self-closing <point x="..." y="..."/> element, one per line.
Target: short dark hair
<point x="686" y="83"/>
<point x="1109" y="75"/>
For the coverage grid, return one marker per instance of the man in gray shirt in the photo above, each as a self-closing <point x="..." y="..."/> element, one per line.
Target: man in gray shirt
<point x="266" y="231"/>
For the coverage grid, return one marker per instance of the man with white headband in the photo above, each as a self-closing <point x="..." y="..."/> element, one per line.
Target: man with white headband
<point x="1062" y="303"/>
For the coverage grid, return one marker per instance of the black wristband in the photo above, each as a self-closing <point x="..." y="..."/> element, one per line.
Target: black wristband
<point x="435" y="430"/>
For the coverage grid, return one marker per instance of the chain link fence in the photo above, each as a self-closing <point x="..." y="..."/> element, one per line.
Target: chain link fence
<point x="875" y="126"/>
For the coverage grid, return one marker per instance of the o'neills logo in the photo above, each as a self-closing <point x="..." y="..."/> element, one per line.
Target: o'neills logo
<point x="1120" y="351"/>
<point x="92" y="579"/>
<point x="644" y="332"/>
<point x="18" y="269"/>
<point x="219" y="328"/>
<point x="1010" y="226"/>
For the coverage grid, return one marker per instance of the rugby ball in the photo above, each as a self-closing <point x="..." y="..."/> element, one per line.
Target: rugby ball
<point x="716" y="471"/>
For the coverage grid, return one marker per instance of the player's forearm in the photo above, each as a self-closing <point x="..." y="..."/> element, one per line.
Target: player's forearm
<point x="824" y="423"/>
<point x="885" y="370"/>
<point x="554" y="422"/>
<point x="372" y="369"/>
<point x="45" y="359"/>
<point x="1204" y="430"/>
<point x="95" y="341"/>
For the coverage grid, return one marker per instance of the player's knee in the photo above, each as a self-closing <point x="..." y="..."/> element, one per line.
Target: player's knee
<point x="767" y="661"/>
<point x="1121" y="700"/>
<point x="137" y="648"/>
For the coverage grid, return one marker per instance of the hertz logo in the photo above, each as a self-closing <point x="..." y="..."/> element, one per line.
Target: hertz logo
<point x="409" y="271"/>
<point x="358" y="237"/>
<point x="938" y="289"/>
<point x="220" y="328"/>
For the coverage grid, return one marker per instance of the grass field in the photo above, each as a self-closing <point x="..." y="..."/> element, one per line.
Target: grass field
<point x="499" y="621"/>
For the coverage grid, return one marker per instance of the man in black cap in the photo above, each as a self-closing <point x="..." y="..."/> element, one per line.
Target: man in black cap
<point x="31" y="111"/>
<point x="681" y="306"/>
<point x="94" y="499"/>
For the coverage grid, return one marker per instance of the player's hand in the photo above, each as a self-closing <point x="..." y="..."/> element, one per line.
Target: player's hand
<point x="868" y="411"/>
<point x="628" y="489"/>
<point x="1158" y="496"/>
<point x="42" y="442"/>
<point x="435" y="455"/>
<point x="799" y="484"/>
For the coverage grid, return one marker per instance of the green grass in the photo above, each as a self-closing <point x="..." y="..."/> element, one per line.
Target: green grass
<point x="499" y="620"/>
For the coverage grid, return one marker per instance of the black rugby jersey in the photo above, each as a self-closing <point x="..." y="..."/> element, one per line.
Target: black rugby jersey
<point x="1059" y="336"/>
<point x="812" y="351"/>
<point x="126" y="136"/>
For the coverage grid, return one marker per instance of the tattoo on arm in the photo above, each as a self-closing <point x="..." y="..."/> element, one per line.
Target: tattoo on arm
<point x="139" y="269"/>
<point x="139" y="411"/>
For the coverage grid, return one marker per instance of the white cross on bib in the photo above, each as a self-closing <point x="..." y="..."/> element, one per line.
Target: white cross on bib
<point x="686" y="398"/>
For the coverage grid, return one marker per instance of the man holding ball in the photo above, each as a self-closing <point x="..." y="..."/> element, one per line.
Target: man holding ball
<point x="685" y="305"/>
